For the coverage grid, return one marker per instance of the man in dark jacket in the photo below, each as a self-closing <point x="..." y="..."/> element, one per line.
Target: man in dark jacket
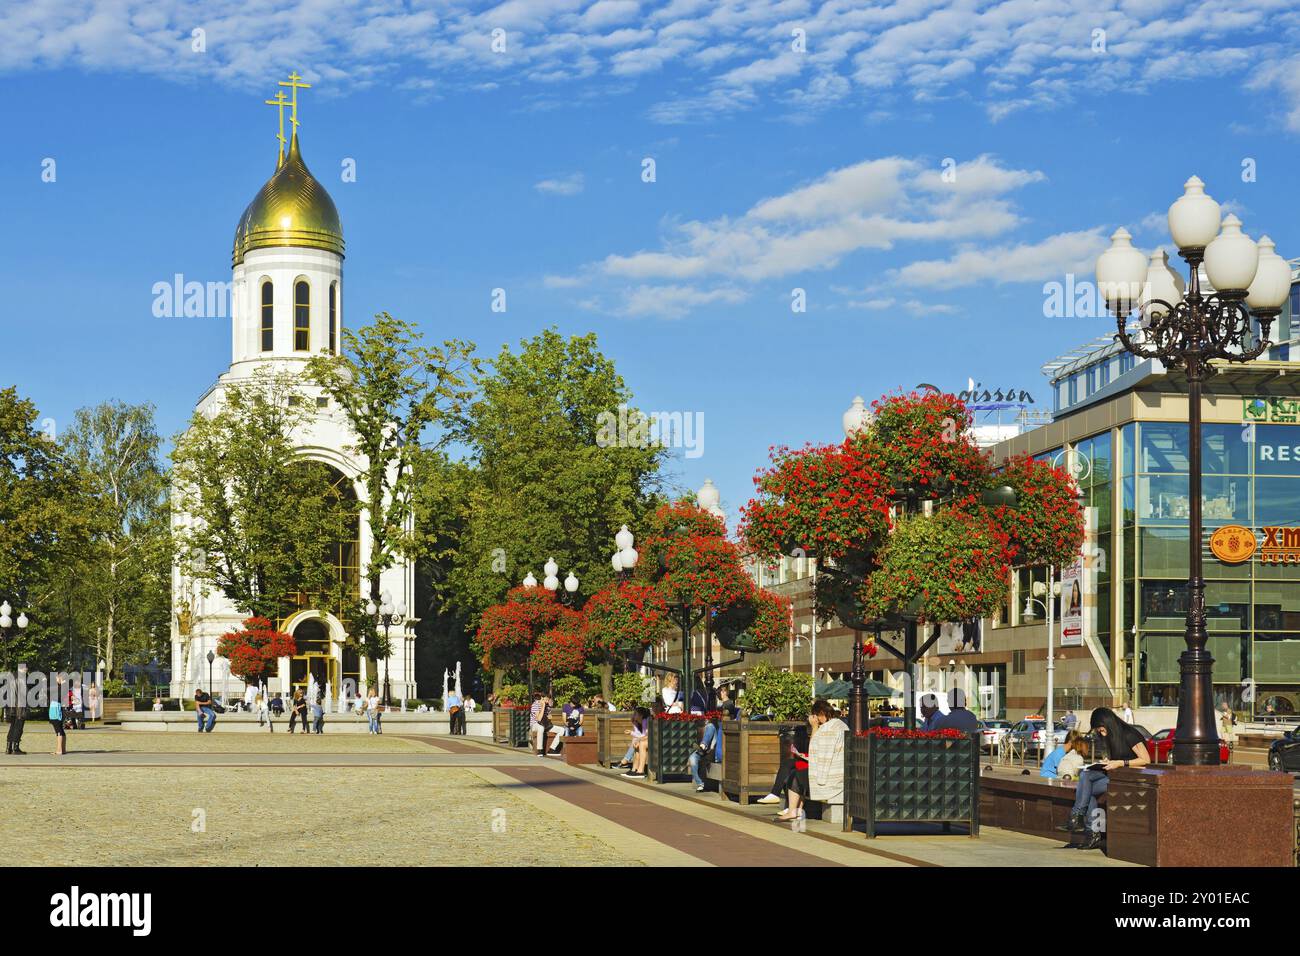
<point x="958" y="717"/>
<point x="17" y="718"/>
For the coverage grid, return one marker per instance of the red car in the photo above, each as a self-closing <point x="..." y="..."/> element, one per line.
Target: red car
<point x="1161" y="747"/>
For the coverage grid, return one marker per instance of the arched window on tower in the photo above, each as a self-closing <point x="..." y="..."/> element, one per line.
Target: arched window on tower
<point x="334" y="319"/>
<point x="301" y="316"/>
<point x="268" y="316"/>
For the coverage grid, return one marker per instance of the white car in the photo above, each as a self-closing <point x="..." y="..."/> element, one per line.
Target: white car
<point x="992" y="731"/>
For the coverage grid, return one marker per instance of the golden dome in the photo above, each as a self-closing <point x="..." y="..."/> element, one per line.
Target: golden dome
<point x="293" y="209"/>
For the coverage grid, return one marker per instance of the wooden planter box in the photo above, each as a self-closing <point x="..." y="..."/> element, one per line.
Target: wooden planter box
<point x="579" y="750"/>
<point x="115" y="707"/>
<point x="671" y="743"/>
<point x="510" y="726"/>
<point x="611" y="741"/>
<point x="751" y="757"/>
<point x="911" y="780"/>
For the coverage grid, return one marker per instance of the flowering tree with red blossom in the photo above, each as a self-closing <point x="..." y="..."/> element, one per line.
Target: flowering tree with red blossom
<point x="700" y="577"/>
<point x="562" y="648"/>
<point x="255" y="649"/>
<point x="620" y="622"/>
<point x="857" y="507"/>
<point x="508" y="632"/>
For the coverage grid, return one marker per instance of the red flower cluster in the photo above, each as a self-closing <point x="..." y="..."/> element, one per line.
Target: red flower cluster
<point x="897" y="733"/>
<point x="834" y="501"/>
<point x="707" y="715"/>
<point x="509" y="631"/>
<point x="1046" y="526"/>
<point x="255" y="650"/>
<point x="623" y="619"/>
<point x="561" y="649"/>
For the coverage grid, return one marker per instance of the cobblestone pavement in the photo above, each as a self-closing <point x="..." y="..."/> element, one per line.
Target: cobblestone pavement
<point x="147" y="799"/>
<point x="39" y="739"/>
<point x="182" y="816"/>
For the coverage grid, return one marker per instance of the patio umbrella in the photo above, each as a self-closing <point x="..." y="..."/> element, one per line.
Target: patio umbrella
<point x="840" y="689"/>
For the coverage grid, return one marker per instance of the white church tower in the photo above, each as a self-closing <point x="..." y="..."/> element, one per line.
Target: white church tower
<point x="286" y="306"/>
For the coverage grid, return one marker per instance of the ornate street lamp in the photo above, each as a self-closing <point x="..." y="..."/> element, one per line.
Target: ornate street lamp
<point x="388" y="614"/>
<point x="1251" y="282"/>
<point x="9" y="627"/>
<point x="211" y="657"/>
<point x="625" y="556"/>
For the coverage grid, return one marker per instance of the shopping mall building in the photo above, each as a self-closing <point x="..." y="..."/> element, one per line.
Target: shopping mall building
<point x="1120" y="426"/>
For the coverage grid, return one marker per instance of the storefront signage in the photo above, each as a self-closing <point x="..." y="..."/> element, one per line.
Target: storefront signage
<point x="1280" y="546"/>
<point x="1232" y="544"/>
<point x="1271" y="410"/>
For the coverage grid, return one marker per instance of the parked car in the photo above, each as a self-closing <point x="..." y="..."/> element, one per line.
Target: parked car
<point x="991" y="731"/>
<point x="1161" y="747"/>
<point x="1284" y="754"/>
<point x="1031" y="732"/>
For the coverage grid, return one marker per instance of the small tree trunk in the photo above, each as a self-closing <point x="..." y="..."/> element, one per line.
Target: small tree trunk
<point x="607" y="680"/>
<point x="498" y="681"/>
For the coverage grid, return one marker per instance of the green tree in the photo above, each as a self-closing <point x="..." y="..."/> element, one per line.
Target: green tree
<point x="399" y="397"/>
<point x="543" y="485"/>
<point x="114" y="447"/>
<point x="262" y="523"/>
<point x="44" y="523"/>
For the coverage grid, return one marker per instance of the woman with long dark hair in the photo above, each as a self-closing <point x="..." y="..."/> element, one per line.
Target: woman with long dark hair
<point x="1124" y="746"/>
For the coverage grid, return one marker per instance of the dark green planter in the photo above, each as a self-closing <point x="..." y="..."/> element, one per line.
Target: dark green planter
<point x="671" y="743"/>
<point x="510" y="726"/>
<point x="911" y="780"/>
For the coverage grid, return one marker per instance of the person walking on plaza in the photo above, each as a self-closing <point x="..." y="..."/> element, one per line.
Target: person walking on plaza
<point x="1228" y="727"/>
<point x="1127" y="713"/>
<point x="1070" y="720"/>
<point x="455" y="711"/>
<point x="298" y="711"/>
<point x="203" y="709"/>
<point x="74" y="702"/>
<point x="92" y="702"/>
<point x="1126" y="747"/>
<point x="317" y="716"/>
<point x="17" y="719"/>
<point x="56" y="721"/>
<point x="375" y="710"/>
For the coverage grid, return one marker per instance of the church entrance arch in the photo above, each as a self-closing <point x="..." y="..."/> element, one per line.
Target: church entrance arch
<point x="315" y="659"/>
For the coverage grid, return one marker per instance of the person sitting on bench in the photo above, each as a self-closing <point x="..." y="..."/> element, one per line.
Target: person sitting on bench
<point x="1127" y="748"/>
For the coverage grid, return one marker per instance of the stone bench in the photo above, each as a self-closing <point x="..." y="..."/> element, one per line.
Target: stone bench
<point x="1027" y="804"/>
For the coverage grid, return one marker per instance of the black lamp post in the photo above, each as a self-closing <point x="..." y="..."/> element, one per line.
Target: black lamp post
<point x="1189" y="331"/>
<point x="211" y="657"/>
<point x="387" y="614"/>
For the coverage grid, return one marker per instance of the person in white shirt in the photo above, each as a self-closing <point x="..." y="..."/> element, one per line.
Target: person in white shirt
<point x="671" y="695"/>
<point x="372" y="707"/>
<point x="1127" y="714"/>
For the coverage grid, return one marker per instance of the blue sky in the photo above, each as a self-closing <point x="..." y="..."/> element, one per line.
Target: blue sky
<point x="777" y="168"/>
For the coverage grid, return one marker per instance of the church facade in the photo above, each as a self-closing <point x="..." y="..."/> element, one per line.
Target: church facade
<point x="287" y="305"/>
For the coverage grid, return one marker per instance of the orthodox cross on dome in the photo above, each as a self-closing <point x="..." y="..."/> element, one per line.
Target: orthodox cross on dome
<point x="281" y="102"/>
<point x="294" y="87"/>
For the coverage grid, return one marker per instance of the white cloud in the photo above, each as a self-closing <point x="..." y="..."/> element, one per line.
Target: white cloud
<point x="874" y="204"/>
<point x="728" y="55"/>
<point x="1026" y="262"/>
<point x="566" y="186"/>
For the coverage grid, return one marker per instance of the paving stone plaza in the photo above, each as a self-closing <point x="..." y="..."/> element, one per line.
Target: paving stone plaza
<point x="143" y="799"/>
